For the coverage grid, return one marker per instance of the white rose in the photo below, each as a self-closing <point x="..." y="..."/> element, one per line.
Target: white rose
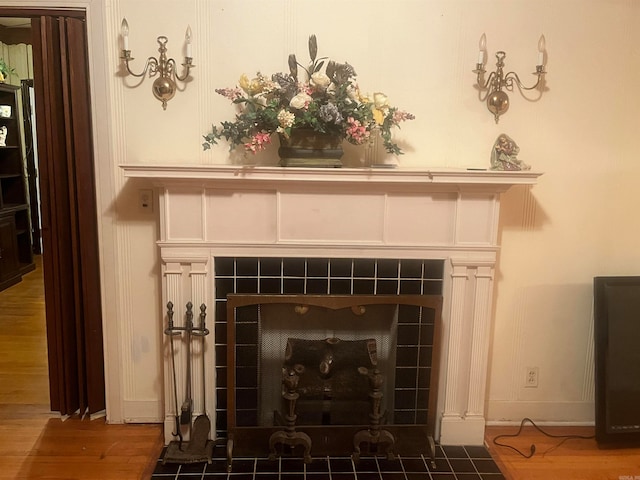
<point x="300" y="101"/>
<point x="380" y="100"/>
<point x="320" y="80"/>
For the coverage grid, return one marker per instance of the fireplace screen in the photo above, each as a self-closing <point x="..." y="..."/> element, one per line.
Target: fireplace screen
<point x="363" y="361"/>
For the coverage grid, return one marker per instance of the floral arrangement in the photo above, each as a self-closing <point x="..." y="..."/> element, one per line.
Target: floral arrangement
<point x="328" y="101"/>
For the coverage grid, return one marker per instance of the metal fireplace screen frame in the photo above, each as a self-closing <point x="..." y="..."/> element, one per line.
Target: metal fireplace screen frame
<point x="417" y="365"/>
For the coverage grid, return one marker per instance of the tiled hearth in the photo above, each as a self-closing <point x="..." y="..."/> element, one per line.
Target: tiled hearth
<point x="452" y="463"/>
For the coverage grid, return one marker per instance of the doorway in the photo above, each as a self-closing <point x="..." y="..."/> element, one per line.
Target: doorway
<point x="68" y="207"/>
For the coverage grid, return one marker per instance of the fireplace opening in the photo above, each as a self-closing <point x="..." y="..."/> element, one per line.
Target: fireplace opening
<point x="327" y="343"/>
<point x="263" y="303"/>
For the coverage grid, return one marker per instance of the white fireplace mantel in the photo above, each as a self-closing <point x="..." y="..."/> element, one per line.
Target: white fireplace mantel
<point x="162" y="174"/>
<point x="207" y="211"/>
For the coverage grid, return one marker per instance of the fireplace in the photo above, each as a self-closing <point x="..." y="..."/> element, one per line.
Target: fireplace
<point x="340" y="343"/>
<point x="273" y="283"/>
<point x="263" y="302"/>
<point x="209" y="215"/>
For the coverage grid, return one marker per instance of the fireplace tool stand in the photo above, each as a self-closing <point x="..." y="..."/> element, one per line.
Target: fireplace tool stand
<point x="198" y="448"/>
<point x="289" y="436"/>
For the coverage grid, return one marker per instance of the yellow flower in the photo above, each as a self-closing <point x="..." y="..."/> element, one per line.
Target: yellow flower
<point x="380" y="107"/>
<point x="378" y="115"/>
<point x="251" y="87"/>
<point x="364" y="97"/>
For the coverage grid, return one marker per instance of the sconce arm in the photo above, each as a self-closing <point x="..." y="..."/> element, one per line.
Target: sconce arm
<point x="480" y="74"/>
<point x="151" y="64"/>
<point x="187" y="65"/>
<point x="510" y="77"/>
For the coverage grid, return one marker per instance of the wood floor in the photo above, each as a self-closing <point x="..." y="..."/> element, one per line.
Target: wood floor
<point x="38" y="444"/>
<point x="574" y="459"/>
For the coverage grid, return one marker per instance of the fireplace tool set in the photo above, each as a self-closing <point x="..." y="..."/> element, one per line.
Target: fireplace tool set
<point x="198" y="448"/>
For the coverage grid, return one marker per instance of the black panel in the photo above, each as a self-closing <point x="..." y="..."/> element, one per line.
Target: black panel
<point x="341" y="267"/>
<point x="318" y="267"/>
<point x="364" y="267"/>
<point x="411" y="268"/>
<point x="270" y="267"/>
<point x="387" y="268"/>
<point x="293" y="267"/>
<point x="617" y="351"/>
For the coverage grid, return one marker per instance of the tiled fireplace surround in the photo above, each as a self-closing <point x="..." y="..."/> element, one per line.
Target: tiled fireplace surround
<point x="433" y="217"/>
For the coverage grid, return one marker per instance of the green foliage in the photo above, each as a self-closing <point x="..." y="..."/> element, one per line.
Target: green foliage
<point x="5" y="70"/>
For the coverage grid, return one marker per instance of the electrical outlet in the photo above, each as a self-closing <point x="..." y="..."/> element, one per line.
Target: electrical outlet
<point x="531" y="378"/>
<point x="145" y="200"/>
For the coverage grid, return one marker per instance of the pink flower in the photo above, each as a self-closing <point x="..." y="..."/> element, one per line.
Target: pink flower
<point x="356" y="132"/>
<point x="258" y="142"/>
<point x="399" y="116"/>
<point x="305" y="88"/>
<point x="230" y="93"/>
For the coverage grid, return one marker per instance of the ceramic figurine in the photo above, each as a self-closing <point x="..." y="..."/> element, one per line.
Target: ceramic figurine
<point x="504" y="155"/>
<point x="3" y="136"/>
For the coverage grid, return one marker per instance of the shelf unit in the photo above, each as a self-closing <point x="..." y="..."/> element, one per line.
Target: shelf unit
<point x="16" y="254"/>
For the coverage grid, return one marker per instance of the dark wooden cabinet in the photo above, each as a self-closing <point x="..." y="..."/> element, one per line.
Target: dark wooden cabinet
<point x="15" y="225"/>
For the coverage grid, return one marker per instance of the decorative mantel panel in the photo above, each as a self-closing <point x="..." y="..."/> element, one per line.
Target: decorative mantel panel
<point x="221" y="211"/>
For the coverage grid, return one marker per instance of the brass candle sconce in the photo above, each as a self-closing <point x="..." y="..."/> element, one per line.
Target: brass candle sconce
<point x="164" y="86"/>
<point x="497" y="82"/>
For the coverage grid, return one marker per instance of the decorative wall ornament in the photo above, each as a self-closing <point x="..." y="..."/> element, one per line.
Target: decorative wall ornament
<point x="504" y="155"/>
<point x="496" y="98"/>
<point x="164" y="87"/>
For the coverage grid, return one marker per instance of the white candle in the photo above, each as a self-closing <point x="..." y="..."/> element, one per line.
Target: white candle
<point x="187" y="37"/>
<point x="541" y="49"/>
<point x="482" y="46"/>
<point x="124" y="29"/>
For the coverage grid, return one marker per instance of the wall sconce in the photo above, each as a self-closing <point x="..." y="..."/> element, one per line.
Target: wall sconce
<point x="497" y="99"/>
<point x="164" y="87"/>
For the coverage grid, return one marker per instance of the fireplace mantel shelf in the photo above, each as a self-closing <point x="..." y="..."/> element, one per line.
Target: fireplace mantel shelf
<point x="162" y="174"/>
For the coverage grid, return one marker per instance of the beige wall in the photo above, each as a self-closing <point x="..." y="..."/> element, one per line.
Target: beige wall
<point x="578" y="222"/>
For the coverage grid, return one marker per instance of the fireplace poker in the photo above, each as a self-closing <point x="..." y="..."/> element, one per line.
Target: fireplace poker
<point x="187" y="405"/>
<point x="170" y="330"/>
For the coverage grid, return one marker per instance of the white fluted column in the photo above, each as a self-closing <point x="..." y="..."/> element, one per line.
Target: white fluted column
<point x="453" y="408"/>
<point x="480" y="341"/>
<point x="463" y="420"/>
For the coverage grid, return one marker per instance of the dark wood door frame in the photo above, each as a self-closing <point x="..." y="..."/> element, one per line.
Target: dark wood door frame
<point x="68" y="204"/>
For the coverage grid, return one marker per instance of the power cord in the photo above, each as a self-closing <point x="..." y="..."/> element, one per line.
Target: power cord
<point x="532" y="449"/>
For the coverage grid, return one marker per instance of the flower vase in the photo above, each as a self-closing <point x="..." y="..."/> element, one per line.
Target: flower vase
<point x="307" y="148"/>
